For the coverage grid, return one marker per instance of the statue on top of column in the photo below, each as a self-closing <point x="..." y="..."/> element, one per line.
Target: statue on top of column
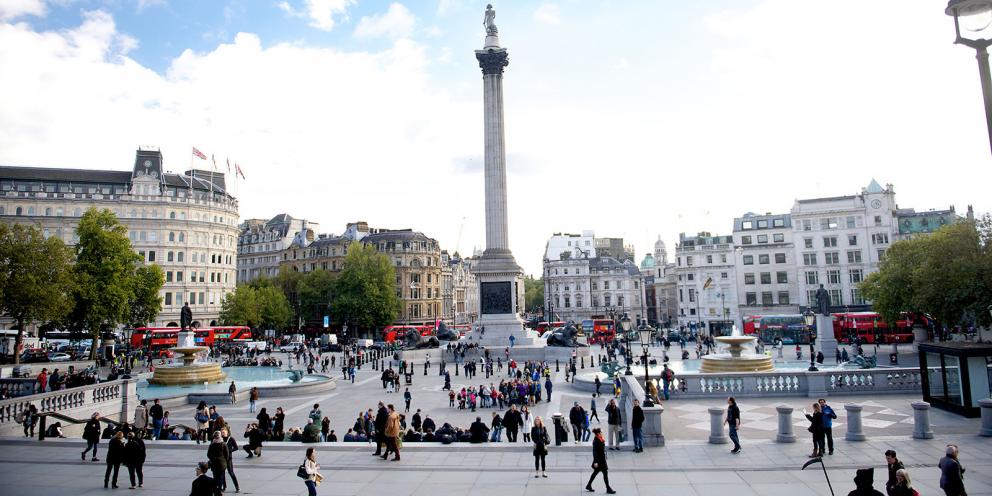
<point x="490" y="20"/>
<point x="822" y="301"/>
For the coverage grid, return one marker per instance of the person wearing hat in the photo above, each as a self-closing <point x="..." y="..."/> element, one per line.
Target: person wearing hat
<point x="864" y="481"/>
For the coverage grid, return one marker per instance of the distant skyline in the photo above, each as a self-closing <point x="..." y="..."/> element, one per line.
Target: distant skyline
<point x="631" y="119"/>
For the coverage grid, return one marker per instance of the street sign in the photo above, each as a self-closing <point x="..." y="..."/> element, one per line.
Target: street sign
<point x="327" y="321"/>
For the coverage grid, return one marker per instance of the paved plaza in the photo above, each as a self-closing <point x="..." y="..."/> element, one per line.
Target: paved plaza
<point x="686" y="465"/>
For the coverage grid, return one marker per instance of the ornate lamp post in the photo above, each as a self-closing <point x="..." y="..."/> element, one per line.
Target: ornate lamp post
<point x="809" y="318"/>
<point x="976" y="17"/>
<point x="625" y="324"/>
<point x="645" y="332"/>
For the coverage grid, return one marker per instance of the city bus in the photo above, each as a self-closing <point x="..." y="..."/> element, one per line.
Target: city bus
<point x="870" y="328"/>
<point x="543" y="327"/>
<point x="232" y="334"/>
<point x="789" y="328"/>
<point x="390" y="333"/>
<point x="160" y="339"/>
<point x="751" y="323"/>
<point x="603" y="331"/>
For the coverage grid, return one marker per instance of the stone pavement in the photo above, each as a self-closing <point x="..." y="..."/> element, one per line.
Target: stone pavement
<point x="763" y="468"/>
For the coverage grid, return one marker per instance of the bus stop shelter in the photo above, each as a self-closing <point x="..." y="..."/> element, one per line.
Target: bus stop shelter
<point x="956" y="375"/>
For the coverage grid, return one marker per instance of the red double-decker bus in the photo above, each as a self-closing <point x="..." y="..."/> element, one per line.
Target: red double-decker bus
<point x="390" y="333"/>
<point x="159" y="339"/>
<point x="751" y="324"/>
<point x="232" y="334"/>
<point x="870" y="328"/>
<point x="603" y="331"/>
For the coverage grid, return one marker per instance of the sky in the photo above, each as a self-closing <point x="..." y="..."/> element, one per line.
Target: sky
<point x="635" y="119"/>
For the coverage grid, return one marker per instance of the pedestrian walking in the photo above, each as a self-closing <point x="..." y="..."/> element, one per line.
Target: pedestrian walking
<point x="816" y="429"/>
<point x="312" y="471"/>
<point x="392" y="434"/>
<point x="598" y="385"/>
<point x="593" y="412"/>
<point x="613" y="422"/>
<point x="115" y="456"/>
<point x="217" y="455"/>
<point x="203" y="484"/>
<point x="576" y="417"/>
<point x="636" y="423"/>
<point x="134" y="459"/>
<point x="252" y="398"/>
<point x="951" y="472"/>
<point x="91" y="433"/>
<point x="233" y="391"/>
<point x="894" y="465"/>
<point x="541" y="440"/>
<point x="407" y="397"/>
<point x="29" y="420"/>
<point x="381" y="416"/>
<point x="599" y="462"/>
<point x="232" y="448"/>
<point x="733" y="420"/>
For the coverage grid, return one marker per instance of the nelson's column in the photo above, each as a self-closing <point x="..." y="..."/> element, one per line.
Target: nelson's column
<point x="500" y="278"/>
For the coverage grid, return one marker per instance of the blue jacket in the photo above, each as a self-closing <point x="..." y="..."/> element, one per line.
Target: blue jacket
<point x="828" y="417"/>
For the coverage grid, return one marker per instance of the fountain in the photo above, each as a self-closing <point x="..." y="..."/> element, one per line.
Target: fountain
<point x="190" y="371"/>
<point x="738" y="355"/>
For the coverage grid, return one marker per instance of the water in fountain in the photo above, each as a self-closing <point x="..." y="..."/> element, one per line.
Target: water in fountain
<point x="736" y="353"/>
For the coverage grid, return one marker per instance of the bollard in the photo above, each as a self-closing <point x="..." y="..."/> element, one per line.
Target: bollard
<point x="456" y="369"/>
<point x="583" y="362"/>
<point x="854" y="432"/>
<point x="717" y="436"/>
<point x="921" y="420"/>
<point x="557" y="367"/>
<point x="785" y="433"/>
<point x="986" y="406"/>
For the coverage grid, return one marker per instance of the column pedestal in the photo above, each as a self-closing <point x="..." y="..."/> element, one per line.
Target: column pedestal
<point x="826" y="342"/>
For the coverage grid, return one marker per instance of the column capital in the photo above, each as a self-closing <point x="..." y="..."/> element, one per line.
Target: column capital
<point x="492" y="60"/>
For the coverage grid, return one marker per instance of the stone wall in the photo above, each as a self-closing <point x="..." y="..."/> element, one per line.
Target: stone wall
<point x="114" y="400"/>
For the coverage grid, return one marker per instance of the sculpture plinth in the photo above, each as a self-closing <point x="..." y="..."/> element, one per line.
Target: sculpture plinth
<point x="739" y="356"/>
<point x="190" y="371"/>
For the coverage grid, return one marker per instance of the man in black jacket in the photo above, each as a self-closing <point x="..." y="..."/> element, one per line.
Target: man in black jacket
<point x="429" y="425"/>
<point x="417" y="421"/>
<point x="512" y="420"/>
<point x="203" y="484"/>
<point x="255" y="438"/>
<point x="479" y="431"/>
<point x="599" y="461"/>
<point x="380" y="429"/>
<point x="157" y="414"/>
<point x="577" y="417"/>
<point x="636" y="421"/>
<point x="91" y="433"/>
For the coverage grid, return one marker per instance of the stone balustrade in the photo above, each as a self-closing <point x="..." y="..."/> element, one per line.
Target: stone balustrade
<point x="111" y="399"/>
<point x="652" y="428"/>
<point x="798" y="383"/>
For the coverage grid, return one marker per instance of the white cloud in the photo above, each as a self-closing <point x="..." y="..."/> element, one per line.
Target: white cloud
<point x="144" y="4"/>
<point x="10" y="9"/>
<point x="445" y="7"/>
<point x="397" y="22"/>
<point x="323" y="14"/>
<point x="548" y="13"/>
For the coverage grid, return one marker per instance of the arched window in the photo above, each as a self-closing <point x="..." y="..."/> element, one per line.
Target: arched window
<point x="58" y="212"/>
<point x="172" y="215"/>
<point x="169" y="257"/>
<point x="19" y="211"/>
<point x="76" y="212"/>
<point x="578" y="301"/>
<point x="182" y="236"/>
<point x="48" y="211"/>
<point x="30" y="210"/>
<point x="179" y="256"/>
<point x="172" y="236"/>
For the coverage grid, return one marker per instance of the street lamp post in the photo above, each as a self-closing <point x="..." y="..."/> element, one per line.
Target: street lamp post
<point x="809" y="318"/>
<point x="645" y="331"/>
<point x="976" y="16"/>
<point x="625" y="324"/>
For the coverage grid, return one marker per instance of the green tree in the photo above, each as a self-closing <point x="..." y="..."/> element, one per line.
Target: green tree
<point x="264" y="307"/>
<point x="35" y="277"/>
<point x="146" y="303"/>
<point x="274" y="309"/>
<point x="365" y="291"/>
<point x="316" y="290"/>
<point x="946" y="275"/>
<point x="105" y="273"/>
<point x="533" y="293"/>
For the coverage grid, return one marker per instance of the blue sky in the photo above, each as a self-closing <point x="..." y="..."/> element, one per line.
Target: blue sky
<point x="634" y="119"/>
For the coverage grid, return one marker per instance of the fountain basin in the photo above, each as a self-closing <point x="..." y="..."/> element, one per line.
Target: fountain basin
<point x="179" y="375"/>
<point x="271" y="381"/>
<point x="729" y="363"/>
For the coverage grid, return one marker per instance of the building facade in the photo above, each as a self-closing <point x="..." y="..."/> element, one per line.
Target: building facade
<point x="418" y="272"/>
<point x="913" y="224"/>
<point x="262" y="243"/>
<point x="585" y="288"/>
<point x="765" y="265"/>
<point x="185" y="223"/>
<point x="706" y="283"/>
<point x="460" y="298"/>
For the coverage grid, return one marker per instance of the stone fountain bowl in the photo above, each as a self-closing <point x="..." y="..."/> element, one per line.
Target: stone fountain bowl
<point x="735" y="340"/>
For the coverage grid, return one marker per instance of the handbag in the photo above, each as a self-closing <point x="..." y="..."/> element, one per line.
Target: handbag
<point x="302" y="472"/>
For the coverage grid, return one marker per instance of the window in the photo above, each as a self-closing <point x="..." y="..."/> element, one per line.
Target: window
<point x="749" y="278"/>
<point x="856" y="298"/>
<point x="568" y="301"/>
<point x="763" y="259"/>
<point x="808" y="242"/>
<point x="747" y="225"/>
<point x="179" y="276"/>
<point x="832" y="257"/>
<point x="766" y="278"/>
<point x="723" y="258"/>
<point x="595" y="285"/>
<point x="168" y="299"/>
<point x="688" y="261"/>
<point x="880" y="239"/>
<point x="812" y="278"/>
<point x="723" y="275"/>
<point x="766" y="298"/>
<point x="854" y="256"/>
<point x="833" y="277"/>
<point x="835" y="297"/>
<point x="168" y="256"/>
<point x="807" y="225"/>
<point x="783" y="297"/>
<point x="782" y="277"/>
<point x="751" y="299"/>
<point x="179" y="256"/>
<point x="606" y="284"/>
<point x="709" y="259"/>
<point x="852" y="240"/>
<point x="881" y="255"/>
<point x="828" y="223"/>
<point x="851" y="222"/>
<point x="168" y="276"/>
<point x="762" y="224"/>
<point x="762" y="238"/>
<point x="778" y="222"/>
<point x="745" y="240"/>
<point x="809" y="258"/>
<point x="778" y="238"/>
<point x="151" y="256"/>
<point x="779" y="258"/>
<point x="748" y="259"/>
<point x="878" y="220"/>
<point x="829" y="241"/>
<point x="811" y="297"/>
<point x="857" y="275"/>
<point x="692" y="295"/>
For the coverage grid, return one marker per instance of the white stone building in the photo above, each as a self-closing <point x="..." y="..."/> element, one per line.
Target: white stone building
<point x="262" y="242"/>
<point x="186" y="223"/>
<point x="584" y="288"/>
<point x="840" y="240"/>
<point x="706" y="283"/>
<point x="765" y="263"/>
<point x="570" y="245"/>
<point x="460" y="300"/>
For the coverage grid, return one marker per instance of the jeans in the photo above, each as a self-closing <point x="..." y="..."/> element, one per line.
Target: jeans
<point x="577" y="432"/>
<point x="585" y="435"/>
<point x="311" y="487"/>
<point x="157" y="428"/>
<point x="497" y="434"/>
<point x="638" y="437"/>
<point x="230" y="471"/>
<point x="116" y="468"/>
<point x="734" y="438"/>
<point x="132" y="471"/>
<point x="818" y="442"/>
<point x="539" y="462"/>
<point x="511" y="435"/>
<point x="91" y="444"/>
<point x="251" y="406"/>
<point x="829" y="432"/>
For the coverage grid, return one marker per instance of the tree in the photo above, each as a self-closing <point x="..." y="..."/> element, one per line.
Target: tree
<point x="316" y="290"/>
<point x="35" y="278"/>
<point x="264" y="307"/>
<point x="365" y="291"/>
<point x="105" y="273"/>
<point x="533" y="293"/>
<point x="146" y="303"/>
<point x="946" y="275"/>
<point x="274" y="309"/>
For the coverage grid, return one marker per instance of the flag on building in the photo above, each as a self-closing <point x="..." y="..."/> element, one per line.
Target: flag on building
<point x="199" y="154"/>
<point x="229" y="165"/>
<point x="238" y="168"/>
<point x="708" y="283"/>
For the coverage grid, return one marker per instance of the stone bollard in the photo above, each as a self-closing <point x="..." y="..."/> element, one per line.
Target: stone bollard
<point x="986" y="406"/>
<point x="557" y="367"/>
<point x="583" y="362"/>
<point x="854" y="432"/>
<point x="921" y="420"/>
<point x="785" y="432"/>
<point x="456" y="369"/>
<point x="717" y="436"/>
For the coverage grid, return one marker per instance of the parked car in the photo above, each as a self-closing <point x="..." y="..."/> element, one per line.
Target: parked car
<point x="34" y="355"/>
<point x="59" y="357"/>
<point x="288" y="348"/>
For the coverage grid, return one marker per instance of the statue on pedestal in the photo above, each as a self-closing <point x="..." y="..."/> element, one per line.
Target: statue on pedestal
<point x="822" y="301"/>
<point x="185" y="317"/>
<point x="490" y="20"/>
